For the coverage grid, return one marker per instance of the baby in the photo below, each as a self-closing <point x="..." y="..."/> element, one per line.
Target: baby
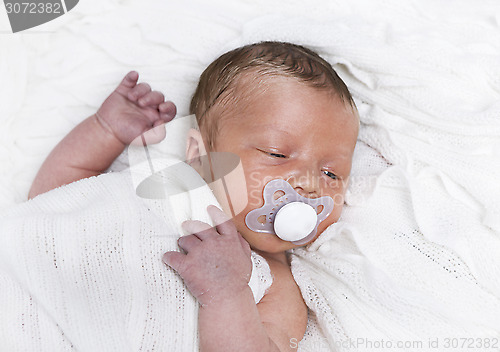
<point x="287" y="115"/>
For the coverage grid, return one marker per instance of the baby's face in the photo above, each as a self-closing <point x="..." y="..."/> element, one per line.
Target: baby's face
<point x="293" y="132"/>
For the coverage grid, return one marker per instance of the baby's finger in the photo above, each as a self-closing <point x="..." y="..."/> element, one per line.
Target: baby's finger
<point x="151" y="136"/>
<point x="128" y="82"/>
<point x="175" y="260"/>
<point x="130" y="79"/>
<point x="168" y="110"/>
<point x="222" y="222"/>
<point x="138" y="91"/>
<point x="201" y="229"/>
<point x="188" y="242"/>
<point x="153" y="98"/>
<point x="244" y="244"/>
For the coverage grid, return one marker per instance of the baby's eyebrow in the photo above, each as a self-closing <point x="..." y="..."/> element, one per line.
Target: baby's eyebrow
<point x="270" y="127"/>
<point x="338" y="157"/>
<point x="342" y="153"/>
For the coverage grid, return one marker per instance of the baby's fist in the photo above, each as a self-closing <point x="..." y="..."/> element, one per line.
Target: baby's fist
<point x="217" y="262"/>
<point x="134" y="109"/>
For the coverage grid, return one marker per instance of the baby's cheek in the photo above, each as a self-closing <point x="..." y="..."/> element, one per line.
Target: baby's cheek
<point x="242" y="227"/>
<point x="332" y="218"/>
<point x="254" y="198"/>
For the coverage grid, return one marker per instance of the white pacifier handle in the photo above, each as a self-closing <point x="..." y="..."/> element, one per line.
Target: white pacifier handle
<point x="294" y="220"/>
<point x="287" y="214"/>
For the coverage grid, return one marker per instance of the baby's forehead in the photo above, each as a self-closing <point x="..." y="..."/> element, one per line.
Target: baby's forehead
<point x="281" y="97"/>
<point x="253" y="87"/>
<point x="259" y="102"/>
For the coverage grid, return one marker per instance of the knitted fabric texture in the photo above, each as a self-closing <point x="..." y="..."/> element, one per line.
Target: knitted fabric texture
<point x="81" y="269"/>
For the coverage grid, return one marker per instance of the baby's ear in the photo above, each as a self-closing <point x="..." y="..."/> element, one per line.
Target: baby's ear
<point x="196" y="153"/>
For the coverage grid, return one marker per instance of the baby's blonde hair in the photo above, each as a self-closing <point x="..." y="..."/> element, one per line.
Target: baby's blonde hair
<point x="217" y="85"/>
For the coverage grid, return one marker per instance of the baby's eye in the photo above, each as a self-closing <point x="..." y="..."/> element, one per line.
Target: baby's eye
<point x="272" y="153"/>
<point x="277" y="155"/>
<point x="330" y="174"/>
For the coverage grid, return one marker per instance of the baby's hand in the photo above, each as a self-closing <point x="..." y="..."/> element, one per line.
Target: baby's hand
<point x="217" y="262"/>
<point x="132" y="109"/>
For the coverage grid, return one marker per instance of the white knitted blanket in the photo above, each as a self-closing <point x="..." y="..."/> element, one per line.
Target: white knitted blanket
<point x="80" y="268"/>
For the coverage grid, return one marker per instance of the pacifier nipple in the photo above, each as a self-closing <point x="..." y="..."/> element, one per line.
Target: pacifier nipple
<point x="294" y="220"/>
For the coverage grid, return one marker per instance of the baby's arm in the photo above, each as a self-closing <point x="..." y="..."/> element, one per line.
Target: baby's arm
<point x="282" y="310"/>
<point x="90" y="148"/>
<point x="216" y="269"/>
<point x="277" y="323"/>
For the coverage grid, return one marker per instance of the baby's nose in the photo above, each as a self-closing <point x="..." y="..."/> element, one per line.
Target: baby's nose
<point x="306" y="184"/>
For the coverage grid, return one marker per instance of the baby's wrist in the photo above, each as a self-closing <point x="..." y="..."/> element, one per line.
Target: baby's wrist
<point x="107" y="130"/>
<point x="224" y="296"/>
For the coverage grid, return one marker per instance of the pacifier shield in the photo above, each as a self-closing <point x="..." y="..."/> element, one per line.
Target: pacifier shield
<point x="298" y="223"/>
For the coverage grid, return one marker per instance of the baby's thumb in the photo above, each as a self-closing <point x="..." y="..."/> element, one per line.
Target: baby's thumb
<point x="152" y="136"/>
<point x="174" y="260"/>
<point x="244" y="245"/>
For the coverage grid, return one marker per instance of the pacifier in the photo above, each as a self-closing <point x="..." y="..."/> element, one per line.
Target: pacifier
<point x="287" y="214"/>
